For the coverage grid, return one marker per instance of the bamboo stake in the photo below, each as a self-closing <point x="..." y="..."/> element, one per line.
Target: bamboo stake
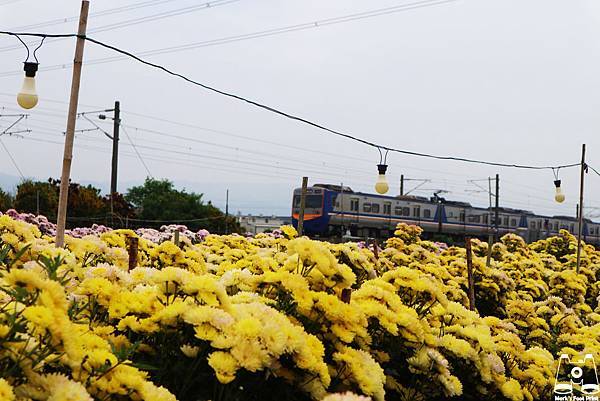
<point x="70" y="133"/>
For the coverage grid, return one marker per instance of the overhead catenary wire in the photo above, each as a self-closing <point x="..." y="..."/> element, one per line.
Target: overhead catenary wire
<point x="10" y="156"/>
<point x="345" y="156"/>
<point x="245" y="160"/>
<point x="540" y="190"/>
<point x="12" y="159"/>
<point x="211" y="166"/>
<point x="221" y="168"/>
<point x="136" y="151"/>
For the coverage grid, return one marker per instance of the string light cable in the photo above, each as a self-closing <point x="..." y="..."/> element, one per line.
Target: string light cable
<point x="593" y="169"/>
<point x="289" y="115"/>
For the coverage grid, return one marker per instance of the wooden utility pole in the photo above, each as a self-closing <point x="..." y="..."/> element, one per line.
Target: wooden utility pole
<point x="302" y="206"/>
<point x="470" y="278"/>
<point x="580" y="210"/>
<point x="70" y="133"/>
<point x="497" y="195"/>
<point x="401" y="184"/>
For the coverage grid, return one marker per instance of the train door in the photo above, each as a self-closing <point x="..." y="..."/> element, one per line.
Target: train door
<point x="417" y="214"/>
<point x="354" y="208"/>
<point x="387" y="211"/>
<point x="354" y="214"/>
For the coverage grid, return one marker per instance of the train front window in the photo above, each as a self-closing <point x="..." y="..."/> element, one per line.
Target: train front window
<point x="311" y="201"/>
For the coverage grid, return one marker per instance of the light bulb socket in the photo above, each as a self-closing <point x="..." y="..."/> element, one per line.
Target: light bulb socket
<point x="30" y="68"/>
<point x="382" y="168"/>
<point x="557" y="183"/>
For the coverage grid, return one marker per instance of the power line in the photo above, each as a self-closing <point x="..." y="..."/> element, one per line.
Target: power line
<point x="322" y="127"/>
<point x="275" y="166"/>
<point x="12" y="159"/>
<point x="171" y="161"/>
<point x="287" y="158"/>
<point x="7" y="2"/>
<point x="138" y="153"/>
<point x="343" y="168"/>
<point x="300" y="119"/>
<point x="344" y="156"/>
<point x="141" y="20"/>
<point x="109" y="11"/>
<point x="263" y="33"/>
<point x="291" y="116"/>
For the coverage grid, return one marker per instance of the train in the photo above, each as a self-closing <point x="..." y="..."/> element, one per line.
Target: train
<point x="333" y="211"/>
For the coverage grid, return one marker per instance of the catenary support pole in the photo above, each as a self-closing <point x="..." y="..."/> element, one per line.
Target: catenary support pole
<point x="488" y="260"/>
<point x="70" y="133"/>
<point x="302" y="206"/>
<point x="580" y="214"/>
<point x="496" y="209"/>
<point x="342" y="230"/>
<point x="115" y="147"/>
<point x="402" y="185"/>
<point x="115" y="158"/>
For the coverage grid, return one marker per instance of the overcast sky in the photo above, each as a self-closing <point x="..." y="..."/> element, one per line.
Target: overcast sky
<point x="512" y="81"/>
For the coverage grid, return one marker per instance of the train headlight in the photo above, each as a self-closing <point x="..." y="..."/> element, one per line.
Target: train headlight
<point x="382" y="186"/>
<point x="558" y="196"/>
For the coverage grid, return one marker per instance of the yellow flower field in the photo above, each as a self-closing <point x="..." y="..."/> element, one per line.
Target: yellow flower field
<point x="265" y="318"/>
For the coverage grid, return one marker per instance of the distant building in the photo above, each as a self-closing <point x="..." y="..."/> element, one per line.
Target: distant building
<point x="260" y="224"/>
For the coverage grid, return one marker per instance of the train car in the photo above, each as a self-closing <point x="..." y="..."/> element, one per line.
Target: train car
<point x="332" y="210"/>
<point x="541" y="227"/>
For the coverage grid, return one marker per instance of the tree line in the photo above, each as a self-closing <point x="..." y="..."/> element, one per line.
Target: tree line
<point x="152" y="204"/>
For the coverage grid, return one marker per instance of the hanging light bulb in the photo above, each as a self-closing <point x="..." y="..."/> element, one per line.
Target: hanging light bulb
<point x="382" y="186"/>
<point x="558" y="196"/>
<point x="27" y="97"/>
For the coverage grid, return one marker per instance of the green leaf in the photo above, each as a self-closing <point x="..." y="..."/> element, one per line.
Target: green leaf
<point x="18" y="255"/>
<point x="143" y="366"/>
